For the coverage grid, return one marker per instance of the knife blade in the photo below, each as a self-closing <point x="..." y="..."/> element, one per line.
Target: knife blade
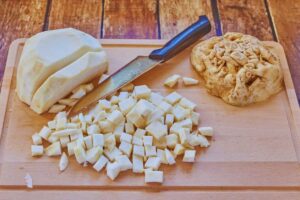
<point x="143" y="64"/>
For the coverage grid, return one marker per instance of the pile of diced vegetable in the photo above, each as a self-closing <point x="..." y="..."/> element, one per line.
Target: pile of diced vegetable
<point x="135" y="130"/>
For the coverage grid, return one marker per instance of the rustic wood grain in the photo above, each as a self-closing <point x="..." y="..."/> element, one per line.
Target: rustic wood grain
<point x="19" y="19"/>
<point x="85" y="15"/>
<point x="286" y="15"/>
<point x="176" y="15"/>
<point x="130" y="19"/>
<point x="246" y="16"/>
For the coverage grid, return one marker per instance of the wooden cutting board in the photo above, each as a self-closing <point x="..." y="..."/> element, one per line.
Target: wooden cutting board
<point x="254" y="148"/>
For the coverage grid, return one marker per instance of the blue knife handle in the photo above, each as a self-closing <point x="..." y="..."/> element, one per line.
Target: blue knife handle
<point x="184" y="39"/>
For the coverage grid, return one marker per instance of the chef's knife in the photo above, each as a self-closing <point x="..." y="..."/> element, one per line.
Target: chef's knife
<point x="142" y="64"/>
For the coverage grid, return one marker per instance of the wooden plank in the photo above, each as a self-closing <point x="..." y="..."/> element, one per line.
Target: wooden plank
<point x="286" y="16"/>
<point x="85" y="15"/>
<point x="19" y="19"/>
<point x="151" y="194"/>
<point x="248" y="16"/>
<point x="176" y="15"/>
<point x="130" y="19"/>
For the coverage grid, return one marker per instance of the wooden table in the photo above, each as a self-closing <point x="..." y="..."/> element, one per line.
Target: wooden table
<point x="154" y="19"/>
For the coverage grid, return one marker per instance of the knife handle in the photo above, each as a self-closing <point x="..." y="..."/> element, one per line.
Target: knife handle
<point x="184" y="39"/>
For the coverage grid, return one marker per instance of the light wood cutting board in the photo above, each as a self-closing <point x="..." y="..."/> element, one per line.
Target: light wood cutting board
<point x="254" y="148"/>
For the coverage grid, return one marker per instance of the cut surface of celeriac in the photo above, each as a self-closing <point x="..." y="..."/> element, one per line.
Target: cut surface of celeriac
<point x="189" y="81"/>
<point x="62" y="82"/>
<point x="47" y="52"/>
<point x="172" y="80"/>
<point x="148" y="135"/>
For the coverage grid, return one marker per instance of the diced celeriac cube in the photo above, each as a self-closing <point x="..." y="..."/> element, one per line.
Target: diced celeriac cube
<point x="165" y="107"/>
<point x="75" y="119"/>
<point x="88" y="141"/>
<point x="153" y="163"/>
<point x="84" y="127"/>
<point x="93" y="154"/>
<point x="126" y="148"/>
<point x="195" y="118"/>
<point x="140" y="133"/>
<point x="61" y="124"/>
<point x="100" y="164"/>
<point x="185" y="103"/>
<point x="78" y="94"/>
<point x="148" y="140"/>
<point x="106" y="126"/>
<point x="126" y="105"/>
<point x="150" y="151"/>
<point x="162" y="156"/>
<point x="179" y="113"/>
<point x="183" y="135"/>
<point x="98" y="140"/>
<point x="175" y="127"/>
<point x="104" y="104"/>
<point x="52" y="124"/>
<point x="126" y="137"/>
<point x="138" y="150"/>
<point x="157" y="129"/>
<point x="76" y="136"/>
<point x="109" y="141"/>
<point x="80" y="142"/>
<point x="129" y="128"/>
<point x="67" y="102"/>
<point x="172" y="80"/>
<point x="116" y="117"/>
<point x="52" y="138"/>
<point x="80" y="154"/>
<point x="113" y="170"/>
<point x="189" y="156"/>
<point x="88" y="118"/>
<point x="170" y="158"/>
<point x="173" y="98"/>
<point x="64" y="141"/>
<point x="118" y="131"/>
<point x="37" y="150"/>
<point x="100" y="116"/>
<point x="114" y="99"/>
<point x="156" y="98"/>
<point x="66" y="132"/>
<point x="93" y="129"/>
<point x="63" y="162"/>
<point x="169" y="120"/>
<point x="137" y="164"/>
<point x="73" y="125"/>
<point x="111" y="155"/>
<point x="144" y="108"/>
<point x="53" y="149"/>
<point x="134" y="117"/>
<point x="179" y="149"/>
<point x="187" y="123"/>
<point x="154" y="176"/>
<point x="161" y="143"/>
<point x="36" y="139"/>
<point x="172" y="140"/>
<point x="137" y="140"/>
<point x="61" y="115"/>
<point x="124" y="162"/>
<point x="129" y="87"/>
<point x="81" y="117"/>
<point x="189" y="81"/>
<point x="56" y="108"/>
<point x="123" y="95"/>
<point x="70" y="147"/>
<point x="102" y="78"/>
<point x="141" y="92"/>
<point x="156" y="115"/>
<point x="199" y="140"/>
<point x="206" y="131"/>
<point x="45" y="132"/>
